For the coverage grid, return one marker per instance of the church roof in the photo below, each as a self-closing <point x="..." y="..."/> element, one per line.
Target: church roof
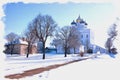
<point x="78" y="20"/>
<point x="72" y="23"/>
<point x="86" y="23"/>
<point x="83" y="22"/>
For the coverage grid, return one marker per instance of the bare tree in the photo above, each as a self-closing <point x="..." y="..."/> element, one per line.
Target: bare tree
<point x="74" y="37"/>
<point x="44" y="27"/>
<point x="10" y="38"/>
<point x="108" y="44"/>
<point x="112" y="33"/>
<point x="30" y="38"/>
<point x="68" y="38"/>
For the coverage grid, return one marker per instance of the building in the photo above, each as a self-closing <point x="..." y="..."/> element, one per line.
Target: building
<point x="86" y="34"/>
<point x="19" y="46"/>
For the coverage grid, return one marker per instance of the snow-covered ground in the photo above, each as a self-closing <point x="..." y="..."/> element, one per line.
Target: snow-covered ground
<point x="19" y="64"/>
<point x="103" y="67"/>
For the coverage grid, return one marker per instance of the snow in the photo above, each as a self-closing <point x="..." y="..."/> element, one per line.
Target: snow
<point x="103" y="67"/>
<point x="2" y="63"/>
<point x="18" y="64"/>
<point x="22" y="42"/>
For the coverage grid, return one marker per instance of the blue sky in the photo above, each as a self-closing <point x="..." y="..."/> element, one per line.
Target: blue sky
<point x="99" y="16"/>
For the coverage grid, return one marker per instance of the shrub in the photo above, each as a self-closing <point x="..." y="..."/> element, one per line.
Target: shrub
<point x="114" y="50"/>
<point x="89" y="51"/>
<point x="81" y="54"/>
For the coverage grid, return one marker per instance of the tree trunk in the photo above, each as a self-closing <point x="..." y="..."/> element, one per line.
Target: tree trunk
<point x="74" y="50"/>
<point x="109" y="50"/>
<point x="65" y="52"/>
<point x="12" y="48"/>
<point x="28" y="50"/>
<point x="56" y="50"/>
<point x="27" y="55"/>
<point x="43" y="50"/>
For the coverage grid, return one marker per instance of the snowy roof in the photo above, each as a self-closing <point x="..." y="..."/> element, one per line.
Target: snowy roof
<point x="17" y="41"/>
<point x="35" y="44"/>
<point x="20" y="41"/>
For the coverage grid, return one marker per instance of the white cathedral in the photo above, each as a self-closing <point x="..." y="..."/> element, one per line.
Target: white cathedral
<point x="86" y="36"/>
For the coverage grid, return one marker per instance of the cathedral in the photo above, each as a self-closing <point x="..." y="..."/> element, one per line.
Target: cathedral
<point x="86" y="36"/>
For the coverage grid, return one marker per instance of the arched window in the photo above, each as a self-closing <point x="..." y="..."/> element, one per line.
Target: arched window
<point x="82" y="41"/>
<point x="87" y="36"/>
<point x="81" y="36"/>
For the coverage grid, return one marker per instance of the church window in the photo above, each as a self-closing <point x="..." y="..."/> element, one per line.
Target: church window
<point x="82" y="41"/>
<point x="87" y="36"/>
<point x="81" y="36"/>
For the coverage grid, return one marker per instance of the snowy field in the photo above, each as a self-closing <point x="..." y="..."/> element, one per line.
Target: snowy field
<point x="103" y="67"/>
<point x="19" y="64"/>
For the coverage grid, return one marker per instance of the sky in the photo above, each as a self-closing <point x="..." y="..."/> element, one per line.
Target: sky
<point x="99" y="16"/>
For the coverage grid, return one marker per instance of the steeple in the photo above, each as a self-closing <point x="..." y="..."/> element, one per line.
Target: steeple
<point x="78" y="19"/>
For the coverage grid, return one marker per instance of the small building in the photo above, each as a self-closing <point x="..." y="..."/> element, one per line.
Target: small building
<point x="19" y="46"/>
